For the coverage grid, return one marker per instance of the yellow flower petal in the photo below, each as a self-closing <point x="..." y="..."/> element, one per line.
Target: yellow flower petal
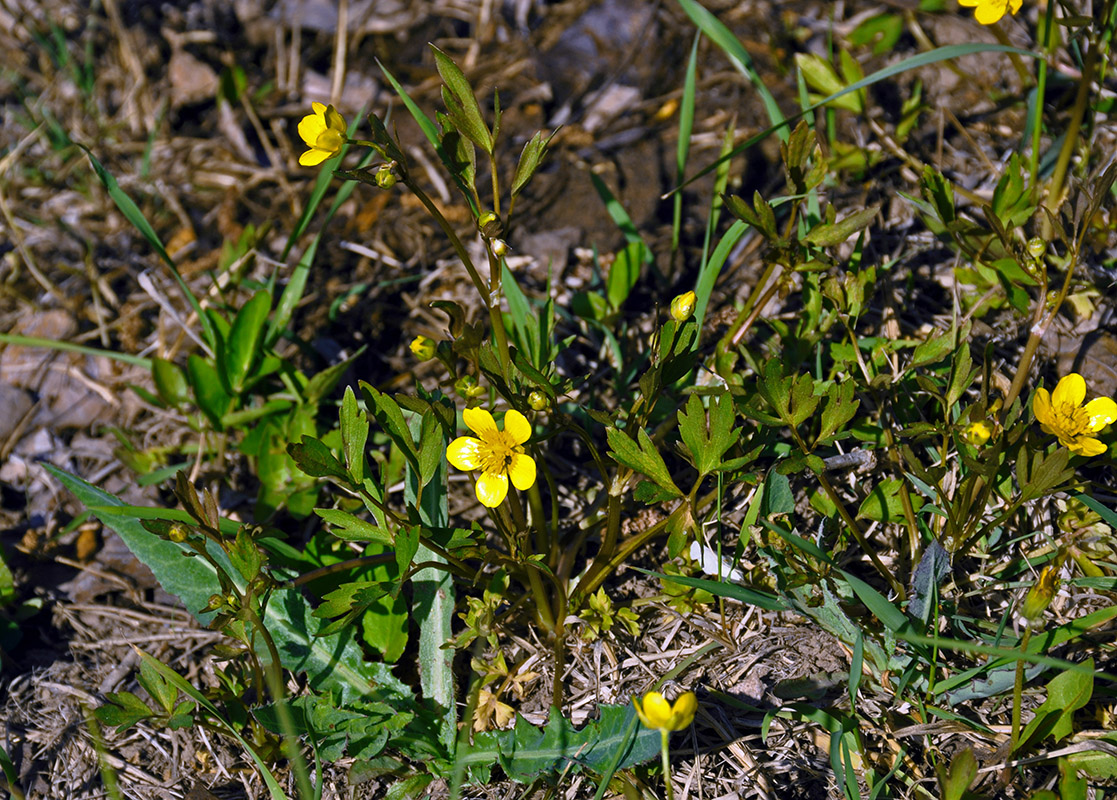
<point x="310" y="128"/>
<point x="521" y="469"/>
<point x="320" y="110"/>
<point x="1101" y="411"/>
<point x="480" y="422"/>
<point x="1070" y="391"/>
<point x="492" y="488"/>
<point x="654" y="711"/>
<point x="988" y="14"/>
<point x="334" y="120"/>
<point x="465" y="453"/>
<point x="517" y="426"/>
<point x="1014" y="5"/>
<point x="1087" y="447"/>
<point x="1041" y="406"/>
<point x="314" y="157"/>
<point x="682" y="713"/>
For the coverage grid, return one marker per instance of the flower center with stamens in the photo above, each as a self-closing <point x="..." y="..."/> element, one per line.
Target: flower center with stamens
<point x="1072" y="419"/>
<point x="496" y="455"/>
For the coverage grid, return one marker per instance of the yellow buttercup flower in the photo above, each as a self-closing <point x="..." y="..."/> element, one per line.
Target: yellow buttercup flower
<point x="977" y="433"/>
<point x="656" y="713"/>
<point x="1063" y="414"/>
<point x="989" y="11"/>
<point x="324" y="133"/>
<point x="498" y="454"/>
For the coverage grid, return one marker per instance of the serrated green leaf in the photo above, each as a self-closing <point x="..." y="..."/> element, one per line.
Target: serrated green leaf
<point x="353" y="529"/>
<point x="316" y="459"/>
<point x="123" y="711"/>
<point x="388" y="414"/>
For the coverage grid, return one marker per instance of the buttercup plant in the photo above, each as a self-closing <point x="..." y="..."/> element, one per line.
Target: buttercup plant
<point x="720" y="454"/>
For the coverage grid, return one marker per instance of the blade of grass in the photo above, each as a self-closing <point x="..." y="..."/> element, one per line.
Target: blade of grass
<point x="134" y="215"/>
<point x="619" y="215"/>
<point x="914" y="62"/>
<point x="188" y="689"/>
<point x="70" y="347"/>
<point x="686" y="125"/>
<point x="293" y="291"/>
<point x="738" y="57"/>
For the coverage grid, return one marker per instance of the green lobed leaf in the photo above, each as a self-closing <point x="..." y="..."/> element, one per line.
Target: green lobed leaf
<point x="840" y="408"/>
<point x="643" y="457"/>
<point x="707" y="442"/>
<point x="124" y="710"/>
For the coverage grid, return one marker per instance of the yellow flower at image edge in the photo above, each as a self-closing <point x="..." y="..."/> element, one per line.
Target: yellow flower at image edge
<point x="656" y="713"/>
<point x="989" y="11"/>
<point x="324" y="133"/>
<point x="1063" y="414"/>
<point x="497" y="454"/>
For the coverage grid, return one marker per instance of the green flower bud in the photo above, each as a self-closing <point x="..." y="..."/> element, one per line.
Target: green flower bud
<point x="538" y="401"/>
<point x="1036" y="247"/>
<point x="500" y="248"/>
<point x="423" y="347"/>
<point x="467" y="387"/>
<point x="683" y="306"/>
<point x="177" y="534"/>
<point x="385" y="178"/>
